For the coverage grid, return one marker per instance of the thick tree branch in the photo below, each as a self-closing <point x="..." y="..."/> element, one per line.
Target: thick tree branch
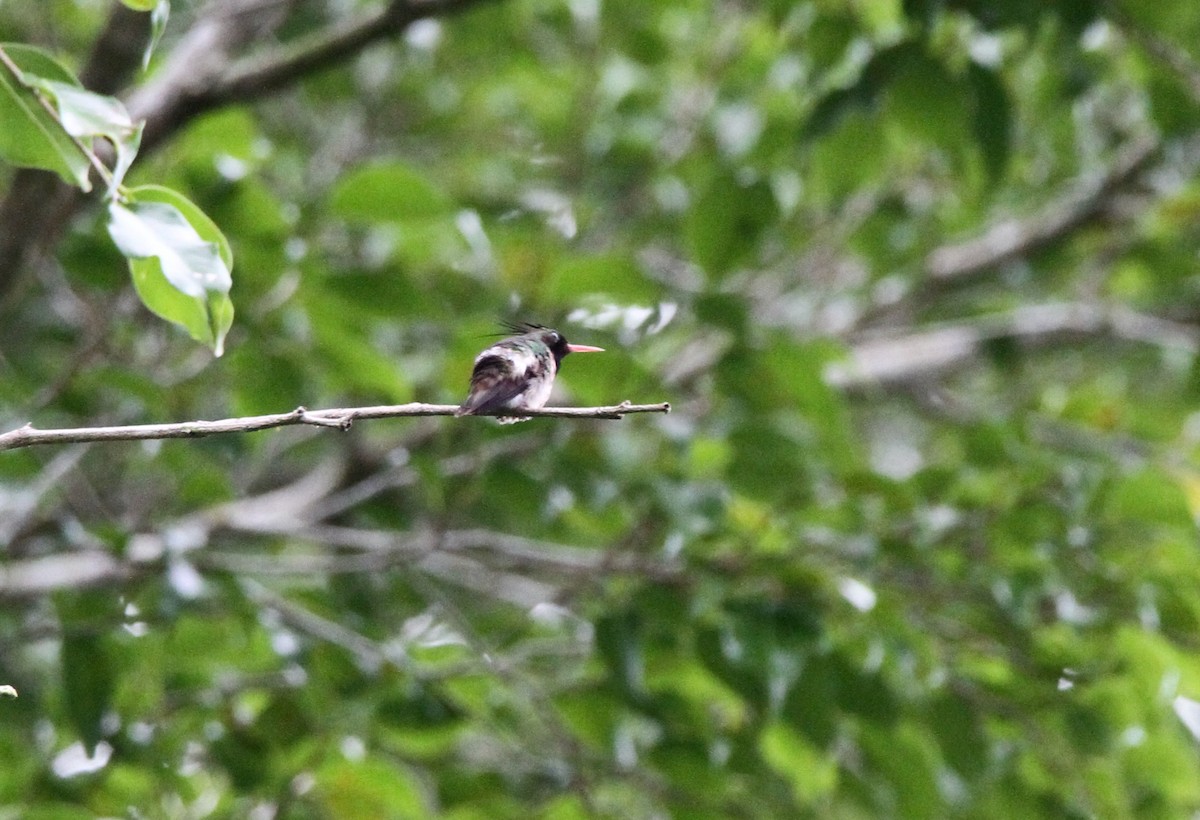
<point x="342" y="418"/>
<point x="203" y="74"/>
<point x="1013" y="238"/>
<point x="899" y="359"/>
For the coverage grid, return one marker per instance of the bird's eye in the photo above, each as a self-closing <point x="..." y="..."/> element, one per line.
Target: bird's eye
<point x="554" y="338"/>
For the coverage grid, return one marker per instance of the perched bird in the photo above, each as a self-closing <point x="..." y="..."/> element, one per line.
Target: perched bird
<point x="518" y="373"/>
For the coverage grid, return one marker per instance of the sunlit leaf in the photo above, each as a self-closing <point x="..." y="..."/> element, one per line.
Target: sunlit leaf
<point x="85" y="115"/>
<point x="180" y="261"/>
<point x="810" y="773"/>
<point x="616" y="277"/>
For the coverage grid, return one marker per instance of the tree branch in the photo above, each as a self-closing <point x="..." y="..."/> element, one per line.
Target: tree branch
<point x="892" y="359"/>
<point x="1013" y="238"/>
<point x="512" y="561"/>
<point x="1172" y="56"/>
<point x="182" y="92"/>
<point x="342" y="418"/>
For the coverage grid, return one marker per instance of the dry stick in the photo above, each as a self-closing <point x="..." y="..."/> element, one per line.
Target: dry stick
<point x="342" y="418"/>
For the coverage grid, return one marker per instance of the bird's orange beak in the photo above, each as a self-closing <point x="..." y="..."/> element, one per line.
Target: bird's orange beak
<point x="584" y="349"/>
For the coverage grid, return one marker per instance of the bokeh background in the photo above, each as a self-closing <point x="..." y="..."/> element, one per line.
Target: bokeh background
<point x="918" y="538"/>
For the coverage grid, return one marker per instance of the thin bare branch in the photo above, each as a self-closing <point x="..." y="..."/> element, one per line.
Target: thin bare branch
<point x="31" y="577"/>
<point x="367" y="652"/>
<point x="341" y="418"/>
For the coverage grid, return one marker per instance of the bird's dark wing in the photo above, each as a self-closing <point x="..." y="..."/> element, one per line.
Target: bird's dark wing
<point x="493" y="384"/>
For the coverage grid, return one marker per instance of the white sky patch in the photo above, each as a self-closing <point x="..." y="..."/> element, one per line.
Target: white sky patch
<point x="353" y="748"/>
<point x="230" y="167"/>
<point x="1071" y="610"/>
<point x="285" y="642"/>
<point x="585" y="12"/>
<point x="185" y="580"/>
<point x="1096" y="36"/>
<point x="859" y="595"/>
<point x="471" y="227"/>
<point x="555" y="207"/>
<point x="424" y="34"/>
<point x="74" y="760"/>
<point x="738" y="127"/>
<point x="625" y="318"/>
<point x="895" y="458"/>
<point x="619" y="78"/>
<point x="986" y="49"/>
<point x="1188" y="711"/>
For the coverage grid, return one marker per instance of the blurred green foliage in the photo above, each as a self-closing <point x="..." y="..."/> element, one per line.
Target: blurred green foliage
<point x="967" y="589"/>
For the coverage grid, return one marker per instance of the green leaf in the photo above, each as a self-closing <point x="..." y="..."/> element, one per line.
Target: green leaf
<point x="180" y="261"/>
<point x="723" y="227"/>
<point x="85" y="115"/>
<point x="991" y="120"/>
<point x="88" y="685"/>
<point x="613" y="275"/>
<point x="811" y="773"/>
<point x="1149" y="496"/>
<point x="142" y="5"/>
<point x="158" y="24"/>
<point x="388" y="192"/>
<point x="862" y="95"/>
<point x="368" y="788"/>
<point x="31" y="136"/>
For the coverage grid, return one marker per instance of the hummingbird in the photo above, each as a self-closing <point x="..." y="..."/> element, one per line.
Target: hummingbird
<point x="518" y="373"/>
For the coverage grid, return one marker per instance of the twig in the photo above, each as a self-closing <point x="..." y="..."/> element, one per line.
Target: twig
<point x="367" y="652"/>
<point x="342" y="418"/>
<point x="514" y="563"/>
<point x="19" y="508"/>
